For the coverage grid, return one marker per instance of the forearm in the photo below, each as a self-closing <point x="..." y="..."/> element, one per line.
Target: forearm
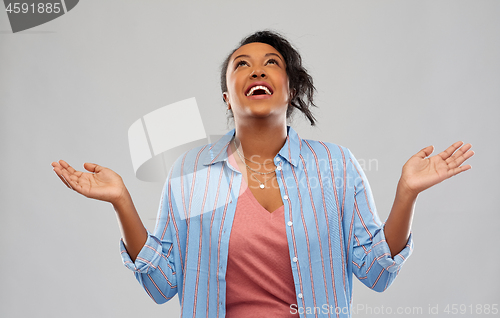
<point x="134" y="233"/>
<point x="398" y="225"/>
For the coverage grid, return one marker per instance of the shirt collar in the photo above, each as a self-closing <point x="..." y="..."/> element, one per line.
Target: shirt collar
<point x="290" y="150"/>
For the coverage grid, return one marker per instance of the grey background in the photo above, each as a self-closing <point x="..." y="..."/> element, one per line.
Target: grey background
<point x="392" y="78"/>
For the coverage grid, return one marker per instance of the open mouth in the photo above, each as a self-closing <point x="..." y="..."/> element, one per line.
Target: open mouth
<point x="259" y="90"/>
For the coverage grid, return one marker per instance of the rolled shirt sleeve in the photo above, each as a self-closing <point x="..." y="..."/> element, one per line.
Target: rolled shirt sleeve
<point x="372" y="261"/>
<point x="148" y="258"/>
<point x="155" y="265"/>
<point x="383" y="254"/>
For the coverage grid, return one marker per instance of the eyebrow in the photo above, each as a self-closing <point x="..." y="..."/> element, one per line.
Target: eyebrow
<point x="268" y="54"/>
<point x="247" y="56"/>
<point x="242" y="55"/>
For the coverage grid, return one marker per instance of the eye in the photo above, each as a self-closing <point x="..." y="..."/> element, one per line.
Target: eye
<point x="241" y="63"/>
<point x="272" y="61"/>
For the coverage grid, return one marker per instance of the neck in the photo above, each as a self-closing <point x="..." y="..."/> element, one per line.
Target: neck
<point x="260" y="142"/>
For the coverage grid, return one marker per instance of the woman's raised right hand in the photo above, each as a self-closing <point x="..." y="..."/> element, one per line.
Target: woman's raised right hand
<point x="99" y="183"/>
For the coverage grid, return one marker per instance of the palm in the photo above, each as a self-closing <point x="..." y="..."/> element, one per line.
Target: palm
<point x="422" y="172"/>
<point x="100" y="183"/>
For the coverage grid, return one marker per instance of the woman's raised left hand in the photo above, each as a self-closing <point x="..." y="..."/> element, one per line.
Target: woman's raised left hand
<point x="422" y="172"/>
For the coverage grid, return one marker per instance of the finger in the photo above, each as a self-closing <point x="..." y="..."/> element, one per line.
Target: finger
<point x="458" y="161"/>
<point x="75" y="174"/>
<point x="462" y="150"/>
<point x="72" y="181"/>
<point x="66" y="179"/>
<point x="57" y="165"/>
<point x="450" y="150"/>
<point x="92" y="167"/>
<point x="457" y="170"/>
<point x="62" y="179"/>
<point x="425" y="152"/>
<point x="72" y="177"/>
<point x="66" y="166"/>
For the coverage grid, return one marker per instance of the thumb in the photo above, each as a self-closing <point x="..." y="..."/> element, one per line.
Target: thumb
<point x="426" y="152"/>
<point x="92" y="167"/>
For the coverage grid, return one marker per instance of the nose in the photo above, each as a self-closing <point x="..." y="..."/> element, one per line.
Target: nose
<point x="257" y="73"/>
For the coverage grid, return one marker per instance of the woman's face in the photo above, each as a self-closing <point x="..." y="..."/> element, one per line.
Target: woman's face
<point x="257" y="82"/>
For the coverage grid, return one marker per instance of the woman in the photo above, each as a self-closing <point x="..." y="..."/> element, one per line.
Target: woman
<point x="264" y="223"/>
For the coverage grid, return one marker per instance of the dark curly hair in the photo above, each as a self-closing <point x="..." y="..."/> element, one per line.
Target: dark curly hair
<point x="300" y="82"/>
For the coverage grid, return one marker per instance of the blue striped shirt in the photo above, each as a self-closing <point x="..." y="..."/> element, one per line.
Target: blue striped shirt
<point x="332" y="228"/>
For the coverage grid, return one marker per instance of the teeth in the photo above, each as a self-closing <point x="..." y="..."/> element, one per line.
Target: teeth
<point x="268" y="92"/>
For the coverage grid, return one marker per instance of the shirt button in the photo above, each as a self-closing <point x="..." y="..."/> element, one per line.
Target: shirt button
<point x="278" y="159"/>
<point x="300" y="295"/>
<point x="294" y="259"/>
<point x="289" y="223"/>
<point x="285" y="197"/>
<point x="278" y="168"/>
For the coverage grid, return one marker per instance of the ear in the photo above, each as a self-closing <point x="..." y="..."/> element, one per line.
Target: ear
<point x="225" y="96"/>
<point x="293" y="92"/>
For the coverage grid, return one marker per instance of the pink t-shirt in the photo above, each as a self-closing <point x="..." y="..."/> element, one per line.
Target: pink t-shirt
<point x="259" y="279"/>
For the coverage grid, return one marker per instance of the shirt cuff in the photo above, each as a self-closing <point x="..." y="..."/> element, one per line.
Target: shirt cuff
<point x="383" y="253"/>
<point x="147" y="259"/>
